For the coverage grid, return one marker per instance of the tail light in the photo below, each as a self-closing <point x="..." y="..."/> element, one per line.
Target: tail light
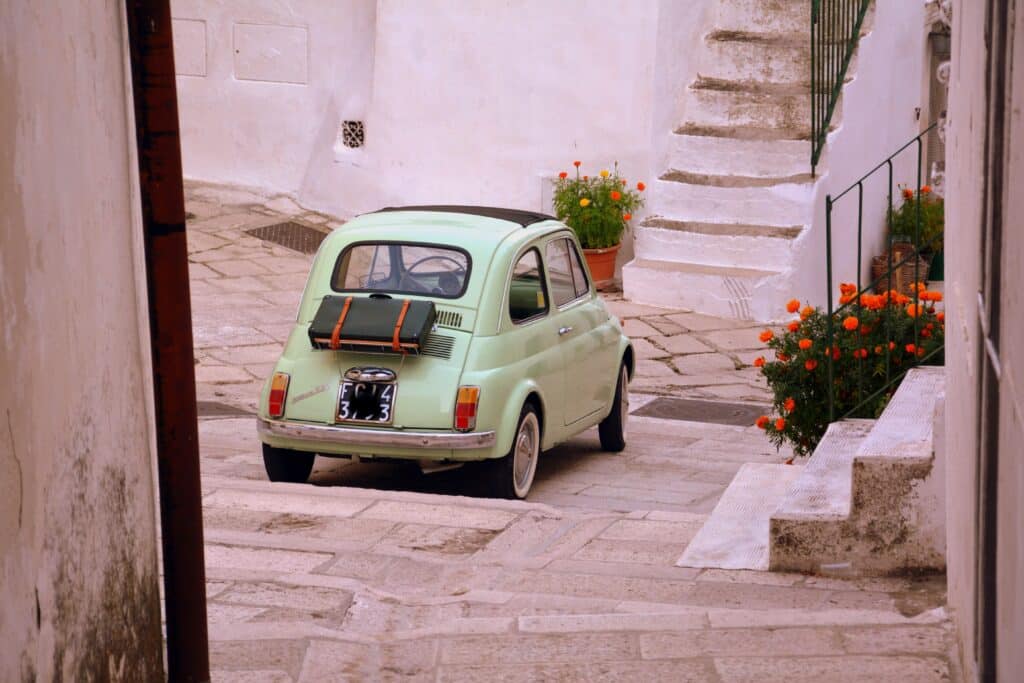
<point x="278" y="392"/>
<point x="465" y="408"/>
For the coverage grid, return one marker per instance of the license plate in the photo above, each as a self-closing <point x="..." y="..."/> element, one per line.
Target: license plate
<point x="372" y="402"/>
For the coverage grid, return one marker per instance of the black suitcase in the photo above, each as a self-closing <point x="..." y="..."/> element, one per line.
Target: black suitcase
<point x="374" y="323"/>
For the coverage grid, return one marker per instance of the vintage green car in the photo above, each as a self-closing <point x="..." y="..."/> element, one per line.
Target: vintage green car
<point x="521" y="355"/>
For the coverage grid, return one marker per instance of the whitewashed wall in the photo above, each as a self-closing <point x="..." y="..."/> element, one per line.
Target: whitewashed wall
<point x="78" y="560"/>
<point x="879" y="114"/>
<point x="462" y="102"/>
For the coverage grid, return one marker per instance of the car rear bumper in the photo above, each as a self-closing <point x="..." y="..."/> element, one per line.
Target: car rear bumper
<point x="386" y="438"/>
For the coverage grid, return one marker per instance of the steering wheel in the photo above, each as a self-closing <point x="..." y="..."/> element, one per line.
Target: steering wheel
<point x="414" y="284"/>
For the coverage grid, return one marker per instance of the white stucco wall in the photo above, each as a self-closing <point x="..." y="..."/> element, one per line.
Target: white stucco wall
<point x="878" y="117"/>
<point x="462" y="103"/>
<point x="78" y="566"/>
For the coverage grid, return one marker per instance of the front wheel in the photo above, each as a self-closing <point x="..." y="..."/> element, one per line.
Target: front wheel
<point x="512" y="475"/>
<point x="612" y="429"/>
<point x="286" y="465"/>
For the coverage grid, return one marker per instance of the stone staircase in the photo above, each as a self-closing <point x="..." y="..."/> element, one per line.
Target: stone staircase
<point x="738" y="191"/>
<point x="869" y="501"/>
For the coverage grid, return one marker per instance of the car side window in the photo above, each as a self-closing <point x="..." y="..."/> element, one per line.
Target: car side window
<point x="560" y="272"/>
<point x="527" y="295"/>
<point x="579" y="275"/>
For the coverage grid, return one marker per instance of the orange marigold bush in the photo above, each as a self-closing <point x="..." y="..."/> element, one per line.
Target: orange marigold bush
<point x="798" y="376"/>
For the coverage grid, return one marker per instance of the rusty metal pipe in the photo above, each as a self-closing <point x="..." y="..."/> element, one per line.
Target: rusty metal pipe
<point x="170" y="326"/>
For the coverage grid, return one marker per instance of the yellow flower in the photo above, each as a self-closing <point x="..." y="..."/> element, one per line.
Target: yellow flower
<point x="604" y="173"/>
<point x="584" y="202"/>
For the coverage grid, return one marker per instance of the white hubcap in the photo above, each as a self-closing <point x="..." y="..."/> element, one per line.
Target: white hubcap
<point x="524" y="457"/>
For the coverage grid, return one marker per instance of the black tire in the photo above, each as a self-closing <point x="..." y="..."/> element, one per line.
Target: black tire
<point x="286" y="465"/>
<point x="612" y="429"/>
<point x="501" y="474"/>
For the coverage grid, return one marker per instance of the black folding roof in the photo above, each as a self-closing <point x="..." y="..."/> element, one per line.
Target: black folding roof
<point x="519" y="216"/>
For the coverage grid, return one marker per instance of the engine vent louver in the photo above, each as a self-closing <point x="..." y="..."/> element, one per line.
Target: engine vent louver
<point x="446" y="318"/>
<point x="437" y="345"/>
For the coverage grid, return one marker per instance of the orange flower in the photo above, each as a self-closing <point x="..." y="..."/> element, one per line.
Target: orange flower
<point x="932" y="296"/>
<point x="810" y="364"/>
<point x="759" y="362"/>
<point x="910" y="348"/>
<point x="782" y="356"/>
<point x="806" y="312"/>
<point x="586" y="177"/>
<point x="836" y="353"/>
<point x="627" y="216"/>
<point x="926" y="333"/>
<point x="851" y="323"/>
<point x="563" y="175"/>
<point x="766" y="336"/>
<point x="845" y="299"/>
<point x="878" y="350"/>
<point x="780" y="424"/>
<point x="919" y="286"/>
<point x="908" y="193"/>
<point x="794" y="326"/>
<point x="926" y="189"/>
<point x="616" y="195"/>
<point x="865" y="330"/>
<point x="641" y="187"/>
<point x="805" y="344"/>
<point x="892" y="345"/>
<point x="913" y="310"/>
<point x="789" y="405"/>
<point x="762" y="422"/>
<point x="576" y="164"/>
<point x="622" y="181"/>
<point x="920" y="351"/>
<point x="940" y="316"/>
<point x="793" y="306"/>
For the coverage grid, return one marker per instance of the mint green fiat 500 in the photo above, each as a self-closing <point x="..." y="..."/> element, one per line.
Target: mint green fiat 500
<point x="446" y="334"/>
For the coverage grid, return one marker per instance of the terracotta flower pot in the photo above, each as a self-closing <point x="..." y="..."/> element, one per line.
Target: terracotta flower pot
<point x="602" y="263"/>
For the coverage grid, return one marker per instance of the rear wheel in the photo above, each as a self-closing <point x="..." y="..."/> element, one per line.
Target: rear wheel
<point x="286" y="465"/>
<point x="512" y="475"/>
<point x="612" y="429"/>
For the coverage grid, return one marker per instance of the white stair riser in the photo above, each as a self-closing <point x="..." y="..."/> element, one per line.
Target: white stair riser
<point x="737" y="60"/>
<point x="765" y="253"/>
<point x="778" y="205"/>
<point x="727" y="156"/>
<point x="765" y="16"/>
<point x="725" y="108"/>
<point x="741" y="298"/>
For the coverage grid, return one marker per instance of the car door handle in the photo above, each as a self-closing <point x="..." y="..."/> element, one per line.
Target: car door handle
<point x="564" y="330"/>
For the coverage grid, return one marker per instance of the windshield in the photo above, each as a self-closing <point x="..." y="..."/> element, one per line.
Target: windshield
<point x="402" y="268"/>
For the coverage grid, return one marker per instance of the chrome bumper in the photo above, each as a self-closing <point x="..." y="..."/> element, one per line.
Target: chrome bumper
<point x="393" y="438"/>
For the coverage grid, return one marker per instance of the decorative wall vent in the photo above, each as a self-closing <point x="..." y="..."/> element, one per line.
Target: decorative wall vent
<point x="437" y="345"/>
<point x="353" y="134"/>
<point x="446" y="318"/>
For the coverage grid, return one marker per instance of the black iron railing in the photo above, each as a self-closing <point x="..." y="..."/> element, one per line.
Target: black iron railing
<point x="835" y="29"/>
<point x="853" y="302"/>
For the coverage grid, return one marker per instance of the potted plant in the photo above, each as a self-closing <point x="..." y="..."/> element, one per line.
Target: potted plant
<point x="904" y="221"/>
<point x="598" y="209"/>
<point x="872" y="332"/>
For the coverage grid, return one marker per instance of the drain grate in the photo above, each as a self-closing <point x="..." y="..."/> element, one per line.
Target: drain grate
<point x="218" y="409"/>
<point x="738" y="414"/>
<point x="291" y="235"/>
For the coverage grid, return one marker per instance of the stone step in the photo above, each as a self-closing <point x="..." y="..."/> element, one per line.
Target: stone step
<point x="781" y="58"/>
<point x="764" y="16"/>
<point x="727" y="229"/>
<point x="726" y="292"/>
<point x="874" y="501"/>
<point x="715" y="155"/>
<point x="715" y="103"/>
<point x="733" y="180"/>
<point x="799" y="133"/>
<point x="758" y="247"/>
<point x="735" y="535"/>
<point x="783" y="205"/>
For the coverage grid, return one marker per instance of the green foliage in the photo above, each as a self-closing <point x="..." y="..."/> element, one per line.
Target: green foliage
<point x="597" y="208"/>
<point x="903" y="221"/>
<point x="869" y="332"/>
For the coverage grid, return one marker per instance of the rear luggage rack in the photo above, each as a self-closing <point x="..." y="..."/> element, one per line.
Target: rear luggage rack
<point x="370" y="324"/>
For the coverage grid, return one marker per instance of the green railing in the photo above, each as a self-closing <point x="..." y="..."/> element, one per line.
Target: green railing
<point x="892" y="375"/>
<point x="835" y="29"/>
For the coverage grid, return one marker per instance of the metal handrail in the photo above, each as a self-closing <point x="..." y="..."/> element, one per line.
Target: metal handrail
<point x="835" y="29"/>
<point x="830" y="203"/>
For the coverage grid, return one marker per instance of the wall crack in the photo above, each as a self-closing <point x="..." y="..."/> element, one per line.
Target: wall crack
<point x="17" y="461"/>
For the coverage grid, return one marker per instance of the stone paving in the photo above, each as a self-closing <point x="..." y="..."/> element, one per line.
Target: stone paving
<point x="379" y="572"/>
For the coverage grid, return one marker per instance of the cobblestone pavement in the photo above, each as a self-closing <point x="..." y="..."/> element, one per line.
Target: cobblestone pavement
<point x="380" y="572"/>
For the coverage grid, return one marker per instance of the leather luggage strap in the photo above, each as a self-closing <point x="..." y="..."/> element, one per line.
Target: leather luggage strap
<point x="336" y="334"/>
<point x="395" y="344"/>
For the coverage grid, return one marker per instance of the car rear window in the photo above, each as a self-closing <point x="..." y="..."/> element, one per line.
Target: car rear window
<point x="402" y="268"/>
